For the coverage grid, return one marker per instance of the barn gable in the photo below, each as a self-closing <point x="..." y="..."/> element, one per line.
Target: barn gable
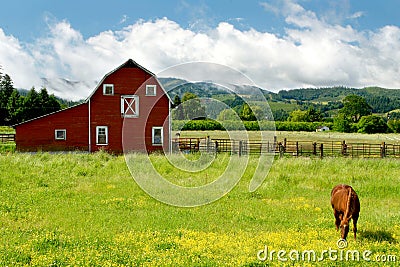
<point x="128" y="64"/>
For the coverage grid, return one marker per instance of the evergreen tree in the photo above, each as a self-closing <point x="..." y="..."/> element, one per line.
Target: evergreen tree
<point x="15" y="108"/>
<point x="177" y="112"/>
<point x="31" y="105"/>
<point x="177" y="101"/>
<point x="48" y="102"/>
<point x="6" y="89"/>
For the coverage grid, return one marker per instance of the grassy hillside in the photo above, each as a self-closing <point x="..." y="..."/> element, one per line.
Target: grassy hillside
<point x="86" y="210"/>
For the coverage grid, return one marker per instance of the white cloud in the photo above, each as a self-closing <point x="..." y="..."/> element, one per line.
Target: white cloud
<point x="271" y="8"/>
<point x="123" y="19"/>
<point x="356" y="15"/>
<point x="16" y="61"/>
<point x="312" y="52"/>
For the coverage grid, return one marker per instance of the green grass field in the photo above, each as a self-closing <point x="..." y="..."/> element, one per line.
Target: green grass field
<point x="87" y="210"/>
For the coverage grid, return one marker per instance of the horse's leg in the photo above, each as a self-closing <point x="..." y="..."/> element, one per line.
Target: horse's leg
<point x="355" y="218"/>
<point x="337" y="219"/>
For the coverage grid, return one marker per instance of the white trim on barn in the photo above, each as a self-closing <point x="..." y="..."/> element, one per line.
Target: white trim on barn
<point x="157" y="136"/>
<point x="60" y="134"/>
<point x="101" y="135"/>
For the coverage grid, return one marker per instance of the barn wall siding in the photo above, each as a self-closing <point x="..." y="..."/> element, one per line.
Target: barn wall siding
<point x="39" y="134"/>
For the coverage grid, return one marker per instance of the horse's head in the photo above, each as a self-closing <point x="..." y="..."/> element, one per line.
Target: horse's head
<point x="344" y="228"/>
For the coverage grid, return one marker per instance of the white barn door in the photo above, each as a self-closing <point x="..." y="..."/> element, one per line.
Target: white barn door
<point x="130" y="106"/>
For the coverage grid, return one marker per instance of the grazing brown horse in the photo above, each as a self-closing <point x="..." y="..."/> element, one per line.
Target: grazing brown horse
<point x="346" y="206"/>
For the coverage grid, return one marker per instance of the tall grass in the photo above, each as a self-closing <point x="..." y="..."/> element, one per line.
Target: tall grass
<point x="87" y="210"/>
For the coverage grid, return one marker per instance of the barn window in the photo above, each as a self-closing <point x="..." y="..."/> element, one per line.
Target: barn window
<point x="130" y="106"/>
<point x="60" y="134"/>
<point x="151" y="90"/>
<point x="108" y="89"/>
<point x="157" y="136"/>
<point x="102" y="135"/>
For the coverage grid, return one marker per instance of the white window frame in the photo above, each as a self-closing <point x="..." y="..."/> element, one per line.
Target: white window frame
<point x="98" y="128"/>
<point x="151" y="90"/>
<point x="105" y="87"/>
<point x="153" y="136"/>
<point x="130" y="106"/>
<point x="60" y="130"/>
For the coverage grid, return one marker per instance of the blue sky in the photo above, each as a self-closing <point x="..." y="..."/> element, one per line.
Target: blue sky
<point x="280" y="44"/>
<point x="92" y="17"/>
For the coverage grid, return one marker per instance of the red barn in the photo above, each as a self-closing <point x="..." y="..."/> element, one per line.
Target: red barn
<point x="129" y="110"/>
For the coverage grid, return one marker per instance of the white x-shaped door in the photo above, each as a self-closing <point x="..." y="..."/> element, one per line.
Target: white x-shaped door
<point x="130" y="106"/>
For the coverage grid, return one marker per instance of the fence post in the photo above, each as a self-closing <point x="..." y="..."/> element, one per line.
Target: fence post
<point x="297" y="148"/>
<point x="321" y="150"/>
<point x="344" y="148"/>
<point x="216" y="147"/>
<point x="383" y="150"/>
<point x="281" y="150"/>
<point x="240" y="148"/>
<point x="314" y="148"/>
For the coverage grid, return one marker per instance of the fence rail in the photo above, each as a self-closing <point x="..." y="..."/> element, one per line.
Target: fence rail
<point x="6" y="138"/>
<point x="288" y="148"/>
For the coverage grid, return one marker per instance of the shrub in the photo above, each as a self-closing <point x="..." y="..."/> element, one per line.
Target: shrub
<point x="372" y="124"/>
<point x="198" y="125"/>
<point x="394" y="125"/>
<point x="202" y="125"/>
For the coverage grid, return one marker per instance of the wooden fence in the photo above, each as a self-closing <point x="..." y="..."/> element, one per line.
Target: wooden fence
<point x="284" y="148"/>
<point x="287" y="148"/>
<point x="6" y="138"/>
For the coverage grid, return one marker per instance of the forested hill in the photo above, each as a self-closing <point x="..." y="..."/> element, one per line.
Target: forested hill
<point x="381" y="99"/>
